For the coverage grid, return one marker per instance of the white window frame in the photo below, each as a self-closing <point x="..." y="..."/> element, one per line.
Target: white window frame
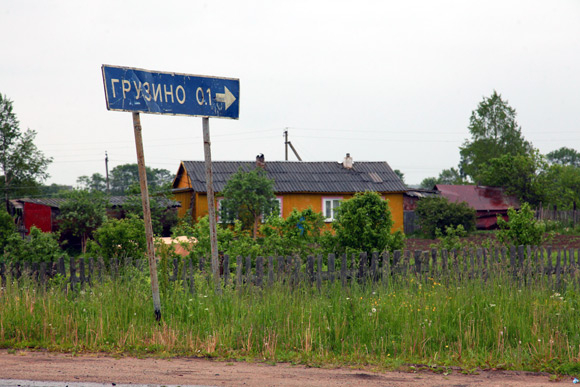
<point x="332" y="209"/>
<point x="218" y="208"/>
<point x="280" y="200"/>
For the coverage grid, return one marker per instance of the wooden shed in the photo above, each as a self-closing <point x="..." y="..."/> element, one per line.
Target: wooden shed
<point x="297" y="184"/>
<point x="43" y="213"/>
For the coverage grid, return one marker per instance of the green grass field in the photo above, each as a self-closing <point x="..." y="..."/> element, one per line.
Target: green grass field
<point x="471" y="323"/>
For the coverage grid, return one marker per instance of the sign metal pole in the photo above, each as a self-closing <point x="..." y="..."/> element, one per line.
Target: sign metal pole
<point x="147" y="215"/>
<point x="211" y="203"/>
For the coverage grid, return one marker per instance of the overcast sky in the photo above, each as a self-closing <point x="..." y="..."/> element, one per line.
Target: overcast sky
<point x="391" y="81"/>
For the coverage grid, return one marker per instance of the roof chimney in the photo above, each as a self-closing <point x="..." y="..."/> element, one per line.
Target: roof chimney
<point x="260" y="162"/>
<point x="347" y="162"/>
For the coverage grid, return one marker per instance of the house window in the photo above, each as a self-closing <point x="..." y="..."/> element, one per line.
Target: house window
<point x="329" y="206"/>
<point x="218" y="207"/>
<point x="279" y="199"/>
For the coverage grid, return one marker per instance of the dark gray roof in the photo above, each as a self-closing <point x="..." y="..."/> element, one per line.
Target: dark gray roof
<point x="114" y="201"/>
<point x="51" y="202"/>
<point x="300" y="176"/>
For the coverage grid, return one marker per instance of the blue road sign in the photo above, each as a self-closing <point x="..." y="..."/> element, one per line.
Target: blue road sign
<point x="136" y="90"/>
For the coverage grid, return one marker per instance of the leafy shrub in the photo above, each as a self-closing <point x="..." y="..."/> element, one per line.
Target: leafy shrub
<point x="439" y="213"/>
<point x="364" y="223"/>
<point x="451" y="238"/>
<point x="521" y="228"/>
<point x="232" y="239"/>
<point x="248" y="195"/>
<point x="297" y="234"/>
<point x="120" y="238"/>
<point x="82" y="213"/>
<point x="7" y="228"/>
<point x="162" y="217"/>
<point x="37" y="247"/>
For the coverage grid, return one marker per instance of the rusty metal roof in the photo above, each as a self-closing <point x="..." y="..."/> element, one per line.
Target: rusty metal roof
<point x="478" y="197"/>
<point x="304" y="177"/>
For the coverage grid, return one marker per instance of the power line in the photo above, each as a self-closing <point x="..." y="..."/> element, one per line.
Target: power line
<point x="413" y="132"/>
<point x="380" y="139"/>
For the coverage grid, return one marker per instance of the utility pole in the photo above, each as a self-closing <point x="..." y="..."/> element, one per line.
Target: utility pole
<point x="286" y="142"/>
<point x="107" y="172"/>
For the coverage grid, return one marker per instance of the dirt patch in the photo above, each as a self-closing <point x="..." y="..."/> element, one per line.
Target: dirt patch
<point x="43" y="366"/>
<point x="559" y="241"/>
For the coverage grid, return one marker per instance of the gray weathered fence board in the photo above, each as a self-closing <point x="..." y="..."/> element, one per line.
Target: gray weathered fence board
<point x="525" y="264"/>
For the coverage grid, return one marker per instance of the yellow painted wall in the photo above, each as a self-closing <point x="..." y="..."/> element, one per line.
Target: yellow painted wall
<point x="185" y="199"/>
<point x="183" y="181"/>
<point x="201" y="208"/>
<point x="303" y="201"/>
<point x="396" y="206"/>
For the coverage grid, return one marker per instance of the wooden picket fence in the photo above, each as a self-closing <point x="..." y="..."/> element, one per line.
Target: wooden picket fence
<point x="567" y="218"/>
<point x="524" y="263"/>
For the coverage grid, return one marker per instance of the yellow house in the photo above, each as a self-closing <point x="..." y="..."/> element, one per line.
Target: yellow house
<point x="297" y="184"/>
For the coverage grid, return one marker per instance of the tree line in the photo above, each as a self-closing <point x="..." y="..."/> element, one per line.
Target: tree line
<point x="23" y="167"/>
<point x="498" y="155"/>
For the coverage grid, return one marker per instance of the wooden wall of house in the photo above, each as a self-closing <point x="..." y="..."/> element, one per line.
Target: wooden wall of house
<point x="303" y="201"/>
<point x="396" y="205"/>
<point x="185" y="199"/>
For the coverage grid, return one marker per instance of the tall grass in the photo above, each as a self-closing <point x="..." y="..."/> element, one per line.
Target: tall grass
<point x="439" y="322"/>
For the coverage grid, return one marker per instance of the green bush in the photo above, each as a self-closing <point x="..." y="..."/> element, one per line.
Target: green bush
<point x="37" y="247"/>
<point x="439" y="213"/>
<point x="82" y="213"/>
<point x="231" y="238"/>
<point x="364" y="223"/>
<point x="7" y="228"/>
<point x="119" y="238"/>
<point x="521" y="228"/>
<point x="450" y="239"/>
<point x="162" y="217"/>
<point x="298" y="234"/>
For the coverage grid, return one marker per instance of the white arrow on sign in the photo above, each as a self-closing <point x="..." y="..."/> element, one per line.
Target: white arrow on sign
<point x="226" y="97"/>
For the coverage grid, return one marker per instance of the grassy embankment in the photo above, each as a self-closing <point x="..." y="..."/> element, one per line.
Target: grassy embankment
<point x="500" y="323"/>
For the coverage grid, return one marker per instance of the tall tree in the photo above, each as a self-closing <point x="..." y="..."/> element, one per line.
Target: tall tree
<point x="124" y="176"/>
<point x="521" y="175"/>
<point x="248" y="196"/>
<point x="400" y="174"/>
<point x="450" y="176"/>
<point x="54" y="190"/>
<point x="563" y="186"/>
<point x="95" y="182"/>
<point x="428" y="183"/>
<point x="447" y="176"/>
<point x="494" y="132"/>
<point x="22" y="163"/>
<point x="163" y="215"/>
<point x="564" y="156"/>
<point x="82" y="213"/>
